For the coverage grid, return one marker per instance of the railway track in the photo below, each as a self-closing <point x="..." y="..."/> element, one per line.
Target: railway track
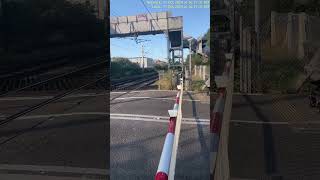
<point x="134" y="81"/>
<point x="6" y="74"/>
<point x="63" y="78"/>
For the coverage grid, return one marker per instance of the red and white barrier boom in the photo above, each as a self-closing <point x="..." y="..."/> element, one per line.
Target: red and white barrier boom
<point x="217" y="116"/>
<point x="168" y="147"/>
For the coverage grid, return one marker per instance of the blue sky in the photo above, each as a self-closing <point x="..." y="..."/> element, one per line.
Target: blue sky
<point x="196" y="23"/>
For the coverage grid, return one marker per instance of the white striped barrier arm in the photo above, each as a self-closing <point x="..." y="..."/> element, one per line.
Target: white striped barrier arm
<point x="165" y="158"/>
<point x="215" y="126"/>
<point x="164" y="163"/>
<point x="217" y="116"/>
<point x="177" y="134"/>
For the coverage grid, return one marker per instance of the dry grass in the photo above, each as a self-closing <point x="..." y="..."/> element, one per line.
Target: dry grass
<point x="197" y="84"/>
<point x="165" y="83"/>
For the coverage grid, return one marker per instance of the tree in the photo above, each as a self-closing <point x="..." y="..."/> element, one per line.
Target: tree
<point x="121" y="66"/>
<point x="207" y="37"/>
<point x="161" y="67"/>
<point x="197" y="59"/>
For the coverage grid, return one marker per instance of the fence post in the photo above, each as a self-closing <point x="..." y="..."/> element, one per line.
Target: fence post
<point x="203" y="72"/>
<point x="302" y="35"/>
<point x="290" y="33"/>
<point x="273" y="28"/>
<point x="241" y="53"/>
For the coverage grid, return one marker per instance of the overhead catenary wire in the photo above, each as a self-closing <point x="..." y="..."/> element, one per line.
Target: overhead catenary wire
<point x="116" y="45"/>
<point x="114" y="12"/>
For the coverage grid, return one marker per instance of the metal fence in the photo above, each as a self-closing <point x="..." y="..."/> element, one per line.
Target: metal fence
<point x="285" y="40"/>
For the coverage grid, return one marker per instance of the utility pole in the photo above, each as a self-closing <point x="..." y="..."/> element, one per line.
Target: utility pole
<point x="190" y="58"/>
<point x="190" y="64"/>
<point x="142" y="51"/>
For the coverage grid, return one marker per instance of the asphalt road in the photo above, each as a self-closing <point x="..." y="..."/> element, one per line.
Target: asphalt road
<point x="70" y="141"/>
<point x="270" y="136"/>
<point x="136" y="145"/>
<point x="274" y="136"/>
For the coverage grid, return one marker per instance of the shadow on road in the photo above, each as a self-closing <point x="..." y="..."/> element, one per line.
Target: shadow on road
<point x="73" y="123"/>
<point x="269" y="150"/>
<point x="202" y="139"/>
<point x="276" y="98"/>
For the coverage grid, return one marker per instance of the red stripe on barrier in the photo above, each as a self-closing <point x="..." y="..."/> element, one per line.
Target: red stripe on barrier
<point x="215" y="122"/>
<point x="222" y="92"/>
<point x="177" y="100"/>
<point x="172" y="125"/>
<point x="161" y="176"/>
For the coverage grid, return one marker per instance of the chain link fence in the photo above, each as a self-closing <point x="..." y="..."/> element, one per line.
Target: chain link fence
<point x="273" y="59"/>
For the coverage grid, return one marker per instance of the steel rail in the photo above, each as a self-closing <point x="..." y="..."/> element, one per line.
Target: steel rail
<point x="150" y="79"/>
<point x="46" y="102"/>
<point x="53" y="78"/>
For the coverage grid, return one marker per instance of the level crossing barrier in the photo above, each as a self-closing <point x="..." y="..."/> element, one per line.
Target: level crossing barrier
<point x="219" y="123"/>
<point x="166" y="165"/>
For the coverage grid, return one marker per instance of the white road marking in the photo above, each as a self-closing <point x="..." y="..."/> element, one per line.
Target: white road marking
<point x="122" y="92"/>
<point x="48" y="97"/>
<point x="151" y="118"/>
<point x="155" y="117"/>
<point x="25" y="98"/>
<point x="60" y="115"/>
<point x="155" y="98"/>
<point x="259" y="122"/>
<point x="133" y="117"/>
<point x="56" y="169"/>
<point x="157" y="120"/>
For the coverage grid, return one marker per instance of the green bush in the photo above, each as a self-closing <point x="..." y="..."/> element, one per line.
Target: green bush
<point x="121" y="67"/>
<point x="197" y="85"/>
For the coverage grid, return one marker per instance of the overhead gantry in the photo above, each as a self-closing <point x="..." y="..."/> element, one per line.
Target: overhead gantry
<point x="152" y="24"/>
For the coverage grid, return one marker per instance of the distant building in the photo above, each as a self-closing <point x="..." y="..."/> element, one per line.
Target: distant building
<point x="143" y="62"/>
<point x="161" y="63"/>
<point x="202" y="47"/>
